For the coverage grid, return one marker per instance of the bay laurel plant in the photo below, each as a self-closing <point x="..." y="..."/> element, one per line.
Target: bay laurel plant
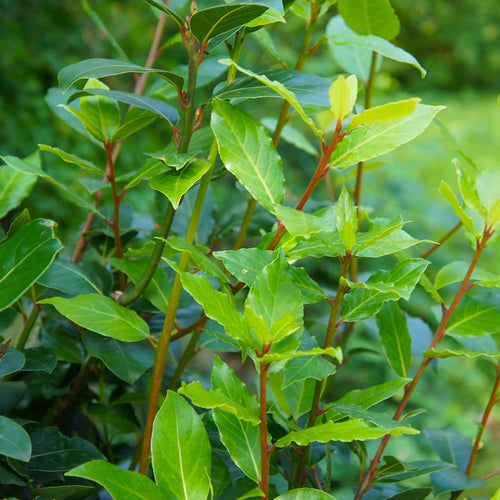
<point x="250" y="334"/>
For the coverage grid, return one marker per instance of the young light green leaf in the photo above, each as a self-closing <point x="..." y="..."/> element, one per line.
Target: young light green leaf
<point x="459" y="353"/>
<point x="180" y="450"/>
<point x="71" y="158"/>
<point x="378" y="17"/>
<point x="174" y="184"/>
<point x="395" y="338"/>
<point x="386" y="112"/>
<point x="274" y="307"/>
<point x="305" y="494"/>
<point x="203" y="398"/>
<point x="280" y="89"/>
<point x="218" y="306"/>
<point x="14" y="440"/>
<point x="102" y="315"/>
<point x="207" y="24"/>
<point x="300" y="223"/>
<point x="466" y="219"/>
<point x="369" y="141"/>
<point x="342" y="96"/>
<point x="373" y="43"/>
<point x="346" y="219"/>
<point x="99" y="68"/>
<point x="350" y="430"/>
<point x="15" y="186"/>
<point x="247" y="152"/>
<point x="473" y="317"/>
<point x="24" y="257"/>
<point x="488" y="187"/>
<point x="333" y="352"/>
<point x="156" y="106"/>
<point x="123" y="484"/>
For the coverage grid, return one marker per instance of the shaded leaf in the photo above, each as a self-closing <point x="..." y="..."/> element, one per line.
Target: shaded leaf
<point x="39" y="359"/>
<point x="14" y="440"/>
<point x="305" y="494"/>
<point x="473" y="317"/>
<point x="316" y="368"/>
<point x="413" y="469"/>
<point x="12" y="360"/>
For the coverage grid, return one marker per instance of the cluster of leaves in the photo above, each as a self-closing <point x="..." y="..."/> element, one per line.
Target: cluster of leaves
<point x="93" y="337"/>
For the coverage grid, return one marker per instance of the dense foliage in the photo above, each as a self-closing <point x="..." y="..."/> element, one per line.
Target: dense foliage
<point x="220" y="306"/>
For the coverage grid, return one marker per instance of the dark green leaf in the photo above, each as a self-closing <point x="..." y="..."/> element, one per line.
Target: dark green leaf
<point x="454" y="479"/>
<point x="24" y="257"/>
<point x="122" y="484"/>
<point x="39" y="359"/>
<point x="126" y="360"/>
<point x="14" y="440"/>
<point x="102" y="315"/>
<point x="12" y="361"/>
<point x="414" y="469"/>
<point x="15" y="186"/>
<point x="450" y="446"/>
<point x="99" y="68"/>
<point x="413" y="494"/>
<point x="247" y="152"/>
<point x="180" y="450"/>
<point x="71" y="492"/>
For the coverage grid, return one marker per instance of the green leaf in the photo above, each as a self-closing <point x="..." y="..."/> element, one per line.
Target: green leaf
<point x="346" y="219"/>
<point x="69" y="278"/>
<point x="122" y="484"/>
<point x="370" y="17"/>
<point x="291" y="135"/>
<point x="174" y="184"/>
<point x="316" y="368"/>
<point x="294" y="400"/>
<point x="64" y="492"/>
<point x="199" y="255"/>
<point x="246" y="263"/>
<point x="386" y="112"/>
<point x="53" y="452"/>
<point x="204" y="398"/>
<point x="466" y="219"/>
<point x="342" y="96"/>
<point x="369" y="141"/>
<point x="454" y="479"/>
<point x="350" y="430"/>
<point x="247" y="152"/>
<point x="300" y="223"/>
<point x="180" y="451"/>
<point x="14" y="440"/>
<point x="450" y="446"/>
<point x="39" y="359"/>
<point x="413" y="469"/>
<point x="213" y="22"/>
<point x="135" y="120"/>
<point x="373" y="43"/>
<point x="310" y="290"/>
<point x="459" y="353"/>
<point x="101" y="315"/>
<point x="128" y="361"/>
<point x="12" y="361"/>
<point x="273" y="307"/>
<point x="488" y="187"/>
<point x="24" y="257"/>
<point x="317" y="245"/>
<point x="168" y="11"/>
<point x="218" y="306"/>
<point x="71" y="158"/>
<point x="455" y="272"/>
<point x="15" y="186"/>
<point x="280" y="89"/>
<point x="307" y="89"/>
<point x="99" y="68"/>
<point x="305" y="494"/>
<point x="334" y="352"/>
<point x="473" y="318"/>
<point x="156" y="106"/>
<point x="395" y="338"/>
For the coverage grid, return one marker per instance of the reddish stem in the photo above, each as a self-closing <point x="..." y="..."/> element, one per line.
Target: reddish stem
<point x="265" y="452"/>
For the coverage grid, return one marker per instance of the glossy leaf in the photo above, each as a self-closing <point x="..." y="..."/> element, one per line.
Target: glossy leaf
<point x="99" y="68"/>
<point x="369" y="141"/>
<point x="123" y="484"/>
<point x="69" y="278"/>
<point x="300" y="223"/>
<point x="247" y="152"/>
<point x="273" y="307"/>
<point x="459" y="353"/>
<point x="333" y="352"/>
<point x="180" y="450"/>
<point x="207" y="24"/>
<point x="102" y="315"/>
<point x="174" y="184"/>
<point x="373" y="43"/>
<point x="385" y="113"/>
<point x="316" y="368"/>
<point x="156" y="106"/>
<point x="246" y="263"/>
<point x="316" y="246"/>
<point x="15" y="186"/>
<point x="14" y="440"/>
<point x="204" y="398"/>
<point x="24" y="257"/>
<point x="378" y="17"/>
<point x="473" y="317"/>
<point x="128" y="361"/>
<point x="395" y="338"/>
<point x="53" y="452"/>
<point x="346" y="219"/>
<point x="218" y="306"/>
<point x="71" y="158"/>
<point x="168" y="11"/>
<point x="309" y="90"/>
<point x="135" y="120"/>
<point x="305" y="494"/>
<point x="280" y="89"/>
<point x="294" y="400"/>
<point x="350" y="430"/>
<point x="12" y="360"/>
